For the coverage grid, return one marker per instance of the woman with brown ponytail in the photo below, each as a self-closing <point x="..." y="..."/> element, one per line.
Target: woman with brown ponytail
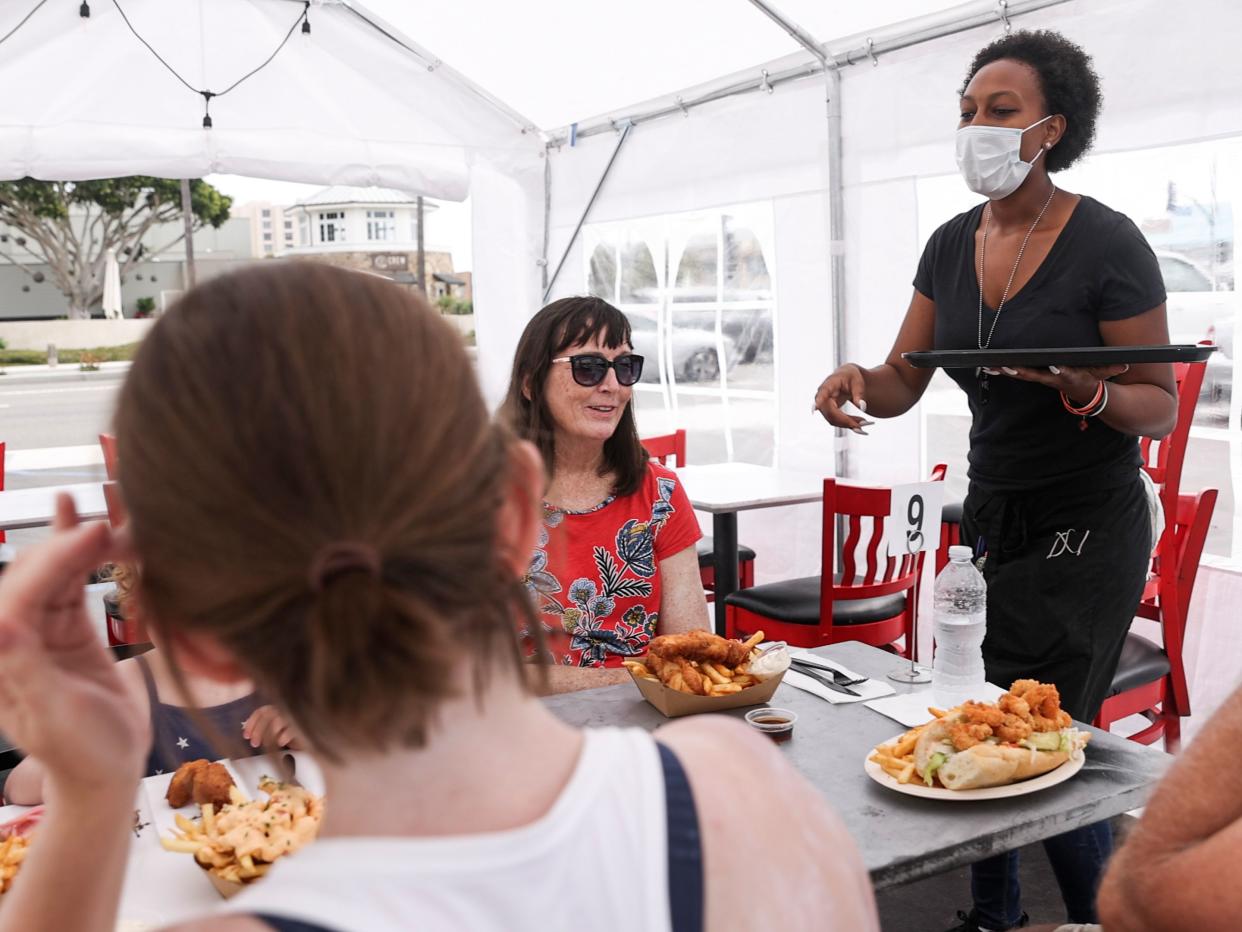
<point x="320" y="503"/>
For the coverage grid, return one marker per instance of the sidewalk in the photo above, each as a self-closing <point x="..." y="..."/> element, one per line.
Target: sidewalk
<point x="65" y="372"/>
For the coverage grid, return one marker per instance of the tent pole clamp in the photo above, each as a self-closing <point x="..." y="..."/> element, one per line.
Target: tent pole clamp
<point x="765" y="84"/>
<point x="1004" y="15"/>
<point x="871" y="52"/>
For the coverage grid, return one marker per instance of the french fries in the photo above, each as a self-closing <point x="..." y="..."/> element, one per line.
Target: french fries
<point x="12" y="853"/>
<point x="897" y="758"/>
<point x="714" y="679"/>
<point x="239" y="842"/>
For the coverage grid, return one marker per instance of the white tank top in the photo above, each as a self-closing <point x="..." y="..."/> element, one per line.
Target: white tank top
<point x="597" y="860"/>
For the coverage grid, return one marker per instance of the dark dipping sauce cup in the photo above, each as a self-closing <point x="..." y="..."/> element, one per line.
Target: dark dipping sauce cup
<point x="777" y="724"/>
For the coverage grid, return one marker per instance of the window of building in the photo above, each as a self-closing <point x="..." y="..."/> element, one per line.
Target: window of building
<point x="266" y="213"/>
<point x="698" y="293"/>
<point x="381" y="225"/>
<point x="1182" y="199"/>
<point x="267" y="237"/>
<point x="288" y="224"/>
<point x="332" y="226"/>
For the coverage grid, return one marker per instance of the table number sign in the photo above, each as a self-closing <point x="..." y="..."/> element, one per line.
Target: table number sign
<point x="913" y="522"/>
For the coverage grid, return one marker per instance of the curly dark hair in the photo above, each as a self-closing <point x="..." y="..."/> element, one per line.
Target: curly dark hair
<point x="1067" y="78"/>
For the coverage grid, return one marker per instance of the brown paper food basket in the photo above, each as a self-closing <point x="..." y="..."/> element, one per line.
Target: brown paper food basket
<point x="673" y="702"/>
<point x="226" y="888"/>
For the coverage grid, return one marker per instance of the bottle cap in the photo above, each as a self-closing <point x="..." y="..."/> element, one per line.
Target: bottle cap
<point x="959" y="554"/>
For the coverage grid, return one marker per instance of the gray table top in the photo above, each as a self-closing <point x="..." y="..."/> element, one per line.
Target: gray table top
<point x="905" y="838"/>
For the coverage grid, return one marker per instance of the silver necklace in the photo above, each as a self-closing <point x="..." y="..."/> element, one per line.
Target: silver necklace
<point x="987" y="222"/>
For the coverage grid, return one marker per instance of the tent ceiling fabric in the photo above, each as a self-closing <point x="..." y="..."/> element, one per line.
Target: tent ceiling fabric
<point x="342" y="105"/>
<point x="561" y="61"/>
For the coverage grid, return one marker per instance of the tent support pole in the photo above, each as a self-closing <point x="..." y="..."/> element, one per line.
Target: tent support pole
<point x="800" y="35"/>
<point x="187" y="216"/>
<point x="586" y="211"/>
<point x="547" y="221"/>
<point x="836" y="245"/>
<point x="836" y="203"/>
<point x="422" y="253"/>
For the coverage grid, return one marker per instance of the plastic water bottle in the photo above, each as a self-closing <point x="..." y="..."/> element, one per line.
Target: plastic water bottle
<point x="960" y="622"/>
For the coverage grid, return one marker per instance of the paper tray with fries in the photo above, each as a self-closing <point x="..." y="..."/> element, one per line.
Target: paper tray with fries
<point x="702" y="672"/>
<point x="673" y="702"/>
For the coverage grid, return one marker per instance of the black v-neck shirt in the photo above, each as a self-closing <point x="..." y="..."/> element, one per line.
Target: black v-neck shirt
<point x="1099" y="268"/>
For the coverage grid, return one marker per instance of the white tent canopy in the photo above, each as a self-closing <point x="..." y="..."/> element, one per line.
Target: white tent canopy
<point x="345" y="104"/>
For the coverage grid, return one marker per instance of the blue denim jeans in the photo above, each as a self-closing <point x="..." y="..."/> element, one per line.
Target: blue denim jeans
<point x="1077" y="860"/>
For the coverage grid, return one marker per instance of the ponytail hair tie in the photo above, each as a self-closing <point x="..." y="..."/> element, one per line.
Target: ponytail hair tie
<point x="336" y="559"/>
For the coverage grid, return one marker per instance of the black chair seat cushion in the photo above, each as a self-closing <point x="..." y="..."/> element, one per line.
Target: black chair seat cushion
<point x="951" y="513"/>
<point x="707" y="553"/>
<point x="796" y="601"/>
<point x="1142" y="662"/>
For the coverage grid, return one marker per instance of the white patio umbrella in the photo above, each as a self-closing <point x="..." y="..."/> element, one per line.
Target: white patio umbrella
<point x="112" y="287"/>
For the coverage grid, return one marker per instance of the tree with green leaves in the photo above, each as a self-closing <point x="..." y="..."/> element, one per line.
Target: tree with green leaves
<point x="70" y="225"/>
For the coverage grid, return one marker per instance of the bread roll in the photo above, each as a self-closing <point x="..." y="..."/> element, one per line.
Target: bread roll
<point x="996" y="765"/>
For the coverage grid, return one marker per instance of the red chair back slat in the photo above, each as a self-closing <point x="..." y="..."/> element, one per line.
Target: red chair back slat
<point x="849" y="547"/>
<point x="667" y="446"/>
<point x="1165" y="468"/>
<point x="107" y="443"/>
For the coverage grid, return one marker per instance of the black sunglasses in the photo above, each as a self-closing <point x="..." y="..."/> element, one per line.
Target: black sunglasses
<point x="591" y="368"/>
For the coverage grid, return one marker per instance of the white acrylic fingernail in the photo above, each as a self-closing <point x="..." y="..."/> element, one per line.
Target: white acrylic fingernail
<point x="1008" y="371"/>
<point x="862" y="404"/>
<point x="1054" y="370"/>
<point x="992" y="371"/>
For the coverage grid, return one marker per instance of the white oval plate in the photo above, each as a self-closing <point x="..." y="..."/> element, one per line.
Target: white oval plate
<point x="917" y="787"/>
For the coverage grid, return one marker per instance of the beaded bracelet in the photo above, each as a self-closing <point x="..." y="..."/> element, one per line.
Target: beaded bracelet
<point x="1094" y="408"/>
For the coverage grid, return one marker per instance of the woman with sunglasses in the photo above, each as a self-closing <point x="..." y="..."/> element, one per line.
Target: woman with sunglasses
<point x="615" y="563"/>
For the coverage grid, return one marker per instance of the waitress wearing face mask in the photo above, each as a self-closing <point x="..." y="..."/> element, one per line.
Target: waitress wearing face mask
<point x="1055" y="499"/>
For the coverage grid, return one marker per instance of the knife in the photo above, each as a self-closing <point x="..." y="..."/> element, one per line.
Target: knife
<point x="807" y="669"/>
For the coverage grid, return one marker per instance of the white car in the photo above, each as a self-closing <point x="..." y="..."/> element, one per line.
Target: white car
<point x="694" y="350"/>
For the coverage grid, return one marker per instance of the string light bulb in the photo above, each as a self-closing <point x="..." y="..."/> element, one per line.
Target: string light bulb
<point x="306" y="19"/>
<point x="84" y="10"/>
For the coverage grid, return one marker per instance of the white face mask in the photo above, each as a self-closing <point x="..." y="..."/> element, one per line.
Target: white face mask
<point x="990" y="158"/>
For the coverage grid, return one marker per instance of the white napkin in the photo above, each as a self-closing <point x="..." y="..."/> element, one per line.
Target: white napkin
<point x="867" y="689"/>
<point x="911" y="708"/>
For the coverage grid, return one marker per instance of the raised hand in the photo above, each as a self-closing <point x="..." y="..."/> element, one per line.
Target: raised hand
<point x="267" y="726"/>
<point x="61" y="699"/>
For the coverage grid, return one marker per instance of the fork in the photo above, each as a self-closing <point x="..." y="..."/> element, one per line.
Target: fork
<point x="837" y="676"/>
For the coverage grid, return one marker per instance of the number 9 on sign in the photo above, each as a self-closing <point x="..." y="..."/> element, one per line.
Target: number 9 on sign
<point x="914" y="524"/>
<point x="913" y="519"/>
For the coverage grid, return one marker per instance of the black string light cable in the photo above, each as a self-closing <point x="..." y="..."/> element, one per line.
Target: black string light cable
<point x="8" y="34"/>
<point x="303" y="20"/>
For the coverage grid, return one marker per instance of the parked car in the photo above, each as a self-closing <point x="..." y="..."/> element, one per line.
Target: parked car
<point x="694" y="350"/>
<point x="1197" y="312"/>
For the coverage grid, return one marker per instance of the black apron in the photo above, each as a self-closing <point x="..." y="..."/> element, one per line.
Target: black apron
<point x="1065" y="571"/>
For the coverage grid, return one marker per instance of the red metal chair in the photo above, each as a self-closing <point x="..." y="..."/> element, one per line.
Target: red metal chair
<point x="1150" y="678"/>
<point x="869" y="603"/>
<point x="1165" y="467"/>
<point x="673" y="446"/>
<point x="107" y="443"/>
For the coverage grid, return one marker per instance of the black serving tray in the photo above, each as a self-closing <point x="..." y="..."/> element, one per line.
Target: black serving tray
<point x="1062" y="356"/>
